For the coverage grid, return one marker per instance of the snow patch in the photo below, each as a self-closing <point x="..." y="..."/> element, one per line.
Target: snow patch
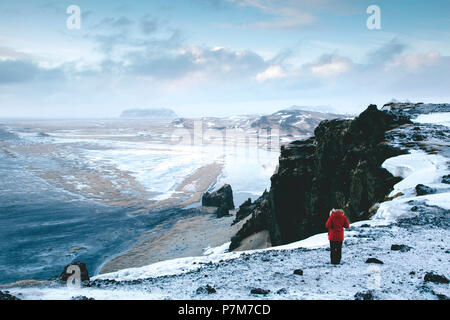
<point x="441" y="118"/>
<point x="415" y="168"/>
<point x="217" y="250"/>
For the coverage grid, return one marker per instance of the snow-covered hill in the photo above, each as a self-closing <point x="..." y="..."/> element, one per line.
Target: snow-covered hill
<point x="408" y="240"/>
<point x="290" y="123"/>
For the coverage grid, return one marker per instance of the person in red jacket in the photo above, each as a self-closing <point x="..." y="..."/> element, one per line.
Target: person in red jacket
<point x="335" y="225"/>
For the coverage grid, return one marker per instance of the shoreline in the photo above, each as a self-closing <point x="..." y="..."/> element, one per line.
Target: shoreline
<point x="187" y="237"/>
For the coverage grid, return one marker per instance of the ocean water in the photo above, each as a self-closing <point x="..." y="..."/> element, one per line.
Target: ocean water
<point x="39" y="224"/>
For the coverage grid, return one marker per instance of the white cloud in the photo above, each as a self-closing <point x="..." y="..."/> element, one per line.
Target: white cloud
<point x="272" y="72"/>
<point x="11" y="54"/>
<point x="413" y="62"/>
<point x="330" y="66"/>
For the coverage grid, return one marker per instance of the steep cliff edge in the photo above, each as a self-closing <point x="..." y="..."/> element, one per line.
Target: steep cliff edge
<point x="339" y="167"/>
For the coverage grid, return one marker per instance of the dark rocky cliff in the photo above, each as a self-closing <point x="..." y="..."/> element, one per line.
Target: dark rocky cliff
<point x="340" y="167"/>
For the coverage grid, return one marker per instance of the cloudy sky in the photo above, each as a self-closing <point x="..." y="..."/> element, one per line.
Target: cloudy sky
<point x="219" y="57"/>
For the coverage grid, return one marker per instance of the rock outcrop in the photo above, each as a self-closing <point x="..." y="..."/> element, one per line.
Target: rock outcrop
<point x="248" y="207"/>
<point x="446" y="179"/>
<point x="65" y="274"/>
<point x="400" y="247"/>
<point x="222" y="199"/>
<point x="374" y="260"/>
<point x="340" y="167"/>
<point x="422" y="190"/>
<point x="5" y="295"/>
<point x="436" y="278"/>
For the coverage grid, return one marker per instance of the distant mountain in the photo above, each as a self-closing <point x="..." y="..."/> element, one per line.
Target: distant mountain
<point x="157" y="114"/>
<point x="324" y="109"/>
<point x="290" y="122"/>
<point x="293" y="122"/>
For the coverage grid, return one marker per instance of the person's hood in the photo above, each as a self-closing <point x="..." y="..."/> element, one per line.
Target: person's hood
<point x="338" y="212"/>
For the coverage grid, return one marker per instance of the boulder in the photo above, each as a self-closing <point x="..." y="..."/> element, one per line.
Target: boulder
<point x="84" y="274"/>
<point x="368" y="295"/>
<point x="205" y="290"/>
<point x="400" y="247"/>
<point x="435" y="278"/>
<point x="259" y="291"/>
<point x="418" y="137"/>
<point x="298" y="272"/>
<point x="374" y="260"/>
<point x="81" y="298"/>
<point x="422" y="190"/>
<point x="282" y="291"/>
<point x="446" y="179"/>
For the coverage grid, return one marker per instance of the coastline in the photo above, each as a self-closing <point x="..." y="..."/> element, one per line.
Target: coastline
<point x="187" y="237"/>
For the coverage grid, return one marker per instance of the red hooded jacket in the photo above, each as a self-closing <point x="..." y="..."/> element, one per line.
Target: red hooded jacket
<point x="335" y="225"/>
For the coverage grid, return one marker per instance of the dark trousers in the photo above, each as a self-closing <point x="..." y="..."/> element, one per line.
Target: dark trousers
<point x="335" y="251"/>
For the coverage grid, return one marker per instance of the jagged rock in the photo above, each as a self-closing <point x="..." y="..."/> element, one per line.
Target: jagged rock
<point x="298" y="272"/>
<point x="247" y="207"/>
<point x="282" y="291"/>
<point x="340" y="167"/>
<point x="84" y="274"/>
<point x="400" y="247"/>
<point x="418" y="137"/>
<point x="374" y="260"/>
<point x="222" y="211"/>
<point x="446" y="179"/>
<point x="435" y="278"/>
<point x="5" y="295"/>
<point x="422" y="190"/>
<point x="368" y="295"/>
<point x="244" y="210"/>
<point x="258" y="222"/>
<point x="222" y="198"/>
<point x="440" y="296"/>
<point x="259" y="291"/>
<point x="205" y="290"/>
<point x="80" y="298"/>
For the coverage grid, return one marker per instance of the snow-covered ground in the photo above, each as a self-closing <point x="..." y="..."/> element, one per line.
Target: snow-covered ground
<point x="441" y="118"/>
<point x="420" y="223"/>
